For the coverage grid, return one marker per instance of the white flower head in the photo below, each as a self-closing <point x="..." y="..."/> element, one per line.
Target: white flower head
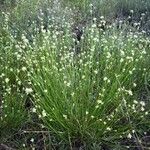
<point x="134" y="84"/>
<point x="131" y="11"/>
<point x="96" y="71"/>
<point x="102" y="17"/>
<point x="32" y="140"/>
<point x="34" y="110"/>
<point x="24" y="69"/>
<point x="6" y="80"/>
<point x="130" y="92"/>
<point x="108" y="129"/>
<point x="129" y="136"/>
<point x="135" y="102"/>
<point x="142" y="103"/>
<point x="108" y="55"/>
<point x="99" y="102"/>
<point x="65" y="116"/>
<point x="44" y="113"/>
<point x="28" y="90"/>
<point x="105" y="78"/>
<point x="92" y="116"/>
<point x="121" y="60"/>
<point x="45" y="91"/>
<point x="68" y="84"/>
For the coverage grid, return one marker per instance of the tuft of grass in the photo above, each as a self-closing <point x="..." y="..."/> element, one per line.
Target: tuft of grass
<point x="12" y="78"/>
<point x="88" y="92"/>
<point x="88" y="82"/>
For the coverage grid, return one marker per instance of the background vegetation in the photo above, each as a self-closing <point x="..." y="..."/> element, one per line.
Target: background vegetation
<point x="75" y="74"/>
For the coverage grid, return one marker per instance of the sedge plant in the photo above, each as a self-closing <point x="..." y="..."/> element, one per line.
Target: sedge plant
<point x="89" y="90"/>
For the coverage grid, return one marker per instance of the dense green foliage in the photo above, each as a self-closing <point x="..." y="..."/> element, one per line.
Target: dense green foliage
<point x="69" y="72"/>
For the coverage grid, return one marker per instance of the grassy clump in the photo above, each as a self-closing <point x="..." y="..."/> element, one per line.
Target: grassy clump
<point x="12" y="82"/>
<point x="90" y="91"/>
<point x="89" y="86"/>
